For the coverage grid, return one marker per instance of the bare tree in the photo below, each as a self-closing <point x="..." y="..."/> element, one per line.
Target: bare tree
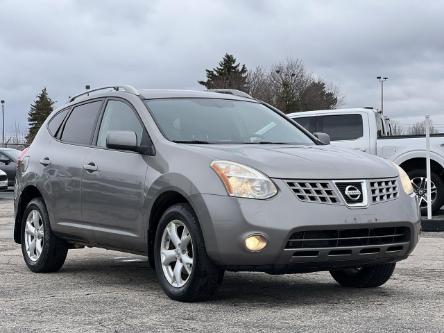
<point x="290" y="88"/>
<point x="260" y="85"/>
<point x="419" y="128"/>
<point x="396" y="127"/>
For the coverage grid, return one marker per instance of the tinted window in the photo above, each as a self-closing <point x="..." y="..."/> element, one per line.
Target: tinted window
<point x="81" y="123"/>
<point x="119" y="116"/>
<point x="56" y="121"/>
<point x="223" y="121"/>
<point x="306" y="122"/>
<point x="341" y="127"/>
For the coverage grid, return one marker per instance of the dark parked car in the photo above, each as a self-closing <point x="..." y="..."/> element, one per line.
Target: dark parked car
<point x="203" y="182"/>
<point x="8" y="163"/>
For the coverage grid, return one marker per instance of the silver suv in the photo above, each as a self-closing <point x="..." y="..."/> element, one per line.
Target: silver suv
<point x="204" y="182"/>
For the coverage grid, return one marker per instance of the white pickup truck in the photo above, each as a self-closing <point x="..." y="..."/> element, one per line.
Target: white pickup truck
<point x="367" y="130"/>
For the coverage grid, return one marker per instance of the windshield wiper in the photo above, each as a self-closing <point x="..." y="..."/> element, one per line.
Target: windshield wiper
<point x="191" y="141"/>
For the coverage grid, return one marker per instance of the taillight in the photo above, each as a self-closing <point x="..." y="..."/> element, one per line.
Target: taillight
<point x="21" y="157"/>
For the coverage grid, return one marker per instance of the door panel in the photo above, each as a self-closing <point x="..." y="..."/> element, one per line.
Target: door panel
<point x="113" y="183"/>
<point x="113" y="196"/>
<point x="64" y="161"/>
<point x="65" y="173"/>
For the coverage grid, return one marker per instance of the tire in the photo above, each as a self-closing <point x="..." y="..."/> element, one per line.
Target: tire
<point x="195" y="282"/>
<point x="364" y="277"/>
<point x="436" y="180"/>
<point x="53" y="250"/>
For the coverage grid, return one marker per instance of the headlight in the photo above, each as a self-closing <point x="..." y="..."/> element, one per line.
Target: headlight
<point x="244" y="182"/>
<point x="405" y="180"/>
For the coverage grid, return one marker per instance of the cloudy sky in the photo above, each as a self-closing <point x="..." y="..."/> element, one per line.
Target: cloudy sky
<point x="65" y="44"/>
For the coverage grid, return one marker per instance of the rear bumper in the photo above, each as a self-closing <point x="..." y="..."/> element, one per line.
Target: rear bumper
<point x="226" y="222"/>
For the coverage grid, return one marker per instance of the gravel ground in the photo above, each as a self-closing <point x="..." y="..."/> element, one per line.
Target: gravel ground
<point x="99" y="290"/>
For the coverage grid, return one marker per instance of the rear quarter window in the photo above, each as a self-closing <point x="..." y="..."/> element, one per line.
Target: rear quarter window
<point x="56" y="121"/>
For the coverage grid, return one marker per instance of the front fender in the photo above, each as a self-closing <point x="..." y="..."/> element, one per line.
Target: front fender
<point x="178" y="183"/>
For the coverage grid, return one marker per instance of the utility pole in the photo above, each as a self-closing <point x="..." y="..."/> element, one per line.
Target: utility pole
<point x="381" y="80"/>
<point x="3" y="122"/>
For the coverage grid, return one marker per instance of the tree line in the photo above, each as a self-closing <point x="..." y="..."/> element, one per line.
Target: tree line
<point x="286" y="85"/>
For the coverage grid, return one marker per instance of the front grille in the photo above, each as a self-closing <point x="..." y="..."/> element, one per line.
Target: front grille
<point x="335" y="238"/>
<point x="383" y="190"/>
<point x="353" y="193"/>
<point x="3" y="178"/>
<point x="317" y="191"/>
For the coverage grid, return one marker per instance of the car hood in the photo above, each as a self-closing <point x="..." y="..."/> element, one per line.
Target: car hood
<point x="303" y="162"/>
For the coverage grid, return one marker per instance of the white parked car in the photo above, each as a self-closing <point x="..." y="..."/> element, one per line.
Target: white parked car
<point x="367" y="130"/>
<point x="3" y="181"/>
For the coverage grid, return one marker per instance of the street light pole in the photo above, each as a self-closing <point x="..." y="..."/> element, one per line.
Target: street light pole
<point x="381" y="80"/>
<point x="3" y="122"/>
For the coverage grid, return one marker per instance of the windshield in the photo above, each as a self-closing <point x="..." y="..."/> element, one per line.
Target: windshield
<point x="204" y="120"/>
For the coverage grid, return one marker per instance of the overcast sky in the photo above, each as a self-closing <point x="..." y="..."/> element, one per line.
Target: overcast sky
<point x="63" y="45"/>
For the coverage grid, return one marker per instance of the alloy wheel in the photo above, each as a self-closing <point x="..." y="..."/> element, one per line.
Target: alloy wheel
<point x="34" y="234"/>
<point x="176" y="253"/>
<point x="420" y="187"/>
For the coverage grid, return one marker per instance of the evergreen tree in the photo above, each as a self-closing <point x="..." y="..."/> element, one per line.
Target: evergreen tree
<point x="228" y="75"/>
<point x="40" y="110"/>
<point x="316" y="96"/>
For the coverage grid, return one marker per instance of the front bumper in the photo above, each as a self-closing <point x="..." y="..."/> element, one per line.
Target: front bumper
<point x="227" y="221"/>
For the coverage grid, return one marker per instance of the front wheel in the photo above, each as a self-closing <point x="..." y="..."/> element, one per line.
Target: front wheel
<point x="183" y="267"/>
<point x="419" y="182"/>
<point x="364" y="277"/>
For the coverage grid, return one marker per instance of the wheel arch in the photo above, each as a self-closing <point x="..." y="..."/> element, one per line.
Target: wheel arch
<point x="29" y="193"/>
<point x="163" y="201"/>
<point x="420" y="163"/>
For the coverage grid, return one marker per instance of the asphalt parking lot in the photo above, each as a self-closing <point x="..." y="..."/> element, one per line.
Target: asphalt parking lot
<point x="99" y="290"/>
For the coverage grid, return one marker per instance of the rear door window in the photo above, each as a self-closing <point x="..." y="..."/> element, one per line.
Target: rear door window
<point x="81" y="123"/>
<point x="341" y="127"/>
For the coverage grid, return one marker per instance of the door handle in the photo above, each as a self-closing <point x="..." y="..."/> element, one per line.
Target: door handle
<point x="45" y="161"/>
<point x="90" y="167"/>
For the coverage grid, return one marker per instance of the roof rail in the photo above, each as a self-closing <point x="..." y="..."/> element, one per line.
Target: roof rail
<point x="126" y="88"/>
<point x="234" y="92"/>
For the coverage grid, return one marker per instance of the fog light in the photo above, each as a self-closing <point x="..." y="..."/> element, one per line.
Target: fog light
<point x="255" y="243"/>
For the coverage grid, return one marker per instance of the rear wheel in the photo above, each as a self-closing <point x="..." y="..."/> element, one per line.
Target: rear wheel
<point x="419" y="182"/>
<point x="364" y="277"/>
<point x="41" y="249"/>
<point x="183" y="267"/>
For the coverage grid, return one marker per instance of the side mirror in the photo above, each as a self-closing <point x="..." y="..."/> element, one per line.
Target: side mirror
<point x="323" y="137"/>
<point x="127" y="140"/>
